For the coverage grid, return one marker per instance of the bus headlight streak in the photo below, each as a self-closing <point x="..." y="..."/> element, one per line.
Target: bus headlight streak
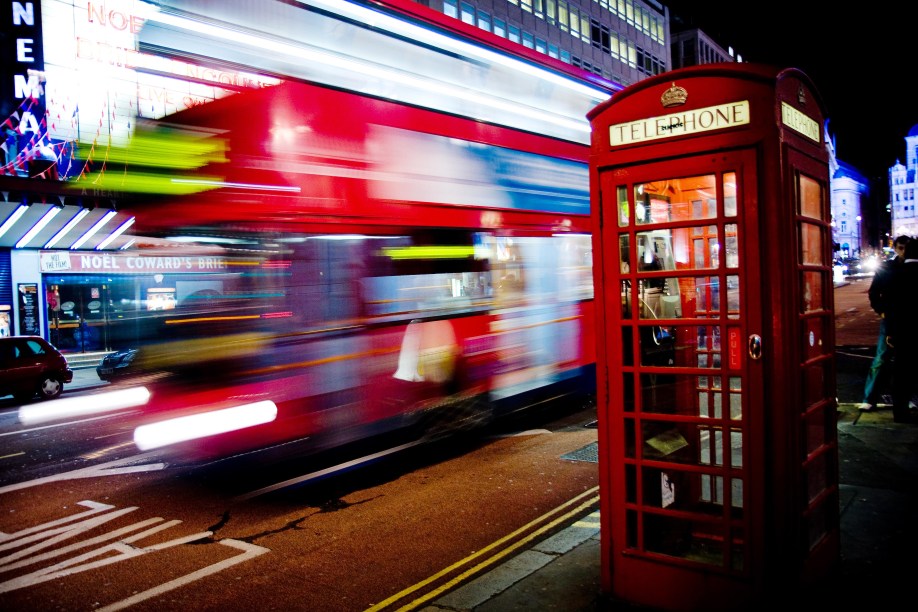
<point x="196" y="426"/>
<point x="82" y="406"/>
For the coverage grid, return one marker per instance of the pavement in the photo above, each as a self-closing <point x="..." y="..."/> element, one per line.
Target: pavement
<point x="878" y="474"/>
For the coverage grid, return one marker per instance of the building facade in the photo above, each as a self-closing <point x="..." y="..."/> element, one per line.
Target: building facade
<point x="902" y="189"/>
<point x="622" y="41"/>
<point x="692" y="47"/>
<point x="849" y="192"/>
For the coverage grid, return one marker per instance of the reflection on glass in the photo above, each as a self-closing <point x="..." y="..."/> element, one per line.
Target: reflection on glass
<point x="654" y="251"/>
<point x="705" y="247"/>
<point x="624" y="258"/>
<point x="813" y="291"/>
<point x="729" y="186"/>
<point x="622" y="194"/>
<point x="711" y="445"/>
<point x="625" y="286"/>
<point x="810" y="197"/>
<point x="736" y="448"/>
<point x="736" y="492"/>
<point x="680" y="199"/>
<point x="710" y="400"/>
<point x="714" y="248"/>
<point x="731" y="240"/>
<point x="810" y="244"/>
<point x="733" y="296"/>
<point x="736" y="406"/>
<point x="707" y="297"/>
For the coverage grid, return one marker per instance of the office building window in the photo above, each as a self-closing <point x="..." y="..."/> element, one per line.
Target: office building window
<point x="632" y="55"/>
<point x="562" y="15"/>
<point x="528" y="40"/>
<point x="514" y="33"/>
<point x="541" y="46"/>
<point x="450" y="9"/>
<point x="500" y="27"/>
<point x="468" y="13"/>
<point x="551" y="10"/>
<point x="484" y="20"/>
<point x="553" y="51"/>
<point x="600" y="36"/>
<point x="565" y="56"/>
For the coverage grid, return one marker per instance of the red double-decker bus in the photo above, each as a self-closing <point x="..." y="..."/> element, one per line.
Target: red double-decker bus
<point x="379" y="264"/>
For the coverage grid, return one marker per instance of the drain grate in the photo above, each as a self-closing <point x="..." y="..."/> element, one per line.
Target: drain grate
<point x="590" y="453"/>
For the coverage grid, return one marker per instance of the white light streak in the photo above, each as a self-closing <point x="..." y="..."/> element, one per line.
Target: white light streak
<point x="254" y="186"/>
<point x="196" y="426"/>
<point x="70" y="224"/>
<point x="52" y="212"/>
<point x="440" y="41"/>
<point x="84" y="405"/>
<point x="92" y="231"/>
<point x="115" y="234"/>
<point x="346" y="64"/>
<point x="13" y="218"/>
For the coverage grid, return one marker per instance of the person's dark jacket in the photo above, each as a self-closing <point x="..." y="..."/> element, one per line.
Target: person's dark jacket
<point x="879" y="286"/>
<point x="902" y="301"/>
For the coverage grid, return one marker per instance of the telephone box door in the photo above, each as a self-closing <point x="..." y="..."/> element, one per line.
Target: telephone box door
<point x="690" y="339"/>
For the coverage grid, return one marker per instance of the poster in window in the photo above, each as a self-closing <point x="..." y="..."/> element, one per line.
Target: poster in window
<point x="28" y="309"/>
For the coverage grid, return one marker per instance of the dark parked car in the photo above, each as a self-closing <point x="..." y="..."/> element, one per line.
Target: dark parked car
<point x="116" y="365"/>
<point x="29" y="365"/>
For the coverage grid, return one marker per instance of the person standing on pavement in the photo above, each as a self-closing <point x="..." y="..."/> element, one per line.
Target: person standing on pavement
<point x="902" y="327"/>
<point x="879" y="301"/>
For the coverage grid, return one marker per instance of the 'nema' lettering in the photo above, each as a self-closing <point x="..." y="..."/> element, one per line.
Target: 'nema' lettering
<point x="678" y="124"/>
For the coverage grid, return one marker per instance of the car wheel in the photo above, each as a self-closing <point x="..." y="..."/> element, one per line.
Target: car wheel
<point x="50" y="387"/>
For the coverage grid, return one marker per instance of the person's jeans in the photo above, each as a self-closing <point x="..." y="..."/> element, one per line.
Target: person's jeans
<point x="878" y="367"/>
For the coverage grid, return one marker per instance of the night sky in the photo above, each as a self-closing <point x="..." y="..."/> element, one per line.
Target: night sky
<point x="857" y="59"/>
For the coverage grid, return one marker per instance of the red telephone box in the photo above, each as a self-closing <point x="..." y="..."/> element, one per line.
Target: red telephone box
<point x="716" y="373"/>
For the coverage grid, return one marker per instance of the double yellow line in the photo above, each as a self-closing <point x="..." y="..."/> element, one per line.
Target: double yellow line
<point x="482" y="559"/>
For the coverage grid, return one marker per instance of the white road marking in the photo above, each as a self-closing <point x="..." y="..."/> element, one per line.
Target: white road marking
<point x="48" y="534"/>
<point x="112" y="468"/>
<point x="250" y="551"/>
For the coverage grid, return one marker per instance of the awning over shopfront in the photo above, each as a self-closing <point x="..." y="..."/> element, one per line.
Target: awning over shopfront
<point x="38" y="215"/>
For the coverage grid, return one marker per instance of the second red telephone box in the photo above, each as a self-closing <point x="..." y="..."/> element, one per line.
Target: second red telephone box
<point x="716" y="374"/>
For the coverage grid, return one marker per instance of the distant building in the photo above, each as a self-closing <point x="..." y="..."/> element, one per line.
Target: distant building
<point x="693" y="47"/>
<point x="902" y="189"/>
<point x="849" y="191"/>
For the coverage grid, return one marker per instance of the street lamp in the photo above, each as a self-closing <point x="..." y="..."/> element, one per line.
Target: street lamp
<point x="858" y="219"/>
